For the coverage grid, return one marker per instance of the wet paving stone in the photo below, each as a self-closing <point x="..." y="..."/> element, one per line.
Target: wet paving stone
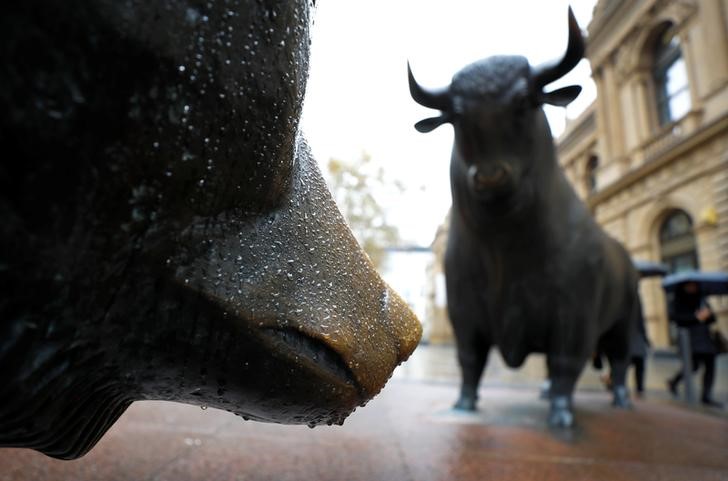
<point x="406" y="433"/>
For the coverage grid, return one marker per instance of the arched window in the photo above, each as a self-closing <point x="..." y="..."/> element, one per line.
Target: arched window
<point x="670" y="76"/>
<point x="677" y="242"/>
<point x="591" y="174"/>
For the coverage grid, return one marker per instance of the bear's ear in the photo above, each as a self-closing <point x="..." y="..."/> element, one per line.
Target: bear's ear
<point x="430" y="124"/>
<point x="560" y="97"/>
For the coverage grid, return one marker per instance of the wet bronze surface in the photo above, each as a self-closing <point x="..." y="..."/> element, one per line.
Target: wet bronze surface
<point x="166" y="233"/>
<point x="657" y="440"/>
<point x="527" y="269"/>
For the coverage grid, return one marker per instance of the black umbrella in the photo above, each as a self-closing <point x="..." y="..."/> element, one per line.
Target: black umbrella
<point x="650" y="269"/>
<point x="711" y="283"/>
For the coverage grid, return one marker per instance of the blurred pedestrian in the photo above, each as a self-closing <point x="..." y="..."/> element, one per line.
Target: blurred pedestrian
<point x="691" y="311"/>
<point x="639" y="343"/>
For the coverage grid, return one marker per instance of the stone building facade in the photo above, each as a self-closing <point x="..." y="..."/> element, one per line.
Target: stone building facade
<point x="650" y="155"/>
<point x="439" y="330"/>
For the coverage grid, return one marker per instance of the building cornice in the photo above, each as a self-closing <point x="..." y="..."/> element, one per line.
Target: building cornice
<point x="610" y="25"/>
<point x="704" y="134"/>
<point x="577" y="130"/>
<point x="640" y="201"/>
<point x="611" y="29"/>
<point x="605" y="12"/>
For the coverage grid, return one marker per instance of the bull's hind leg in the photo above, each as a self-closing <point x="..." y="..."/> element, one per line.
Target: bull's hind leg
<point x="620" y="392"/>
<point x="563" y="373"/>
<point x="615" y="345"/>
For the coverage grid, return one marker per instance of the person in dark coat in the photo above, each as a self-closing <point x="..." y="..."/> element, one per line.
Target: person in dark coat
<point x="638" y="346"/>
<point x="690" y="310"/>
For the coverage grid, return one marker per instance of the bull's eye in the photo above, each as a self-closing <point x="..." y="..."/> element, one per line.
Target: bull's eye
<point x="521" y="106"/>
<point x="521" y="109"/>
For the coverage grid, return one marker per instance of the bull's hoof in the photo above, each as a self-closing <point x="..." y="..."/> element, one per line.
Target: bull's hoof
<point x="465" y="403"/>
<point x="621" y="397"/>
<point x="561" y="415"/>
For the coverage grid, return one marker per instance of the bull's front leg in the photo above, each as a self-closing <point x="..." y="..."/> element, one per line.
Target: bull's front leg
<point x="564" y="370"/>
<point x="472" y="356"/>
<point x="468" y="316"/>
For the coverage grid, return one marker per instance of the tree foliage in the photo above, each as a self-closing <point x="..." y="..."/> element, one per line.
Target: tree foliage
<point x="356" y="187"/>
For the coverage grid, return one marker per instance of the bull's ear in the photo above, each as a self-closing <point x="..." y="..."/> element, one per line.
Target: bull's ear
<point x="561" y="97"/>
<point x="428" y="125"/>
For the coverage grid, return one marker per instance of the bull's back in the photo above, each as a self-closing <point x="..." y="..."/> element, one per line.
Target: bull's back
<point x="620" y="281"/>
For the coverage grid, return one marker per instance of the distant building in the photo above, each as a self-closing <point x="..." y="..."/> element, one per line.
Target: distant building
<point x="404" y="269"/>
<point x="650" y="155"/>
<point x="439" y="328"/>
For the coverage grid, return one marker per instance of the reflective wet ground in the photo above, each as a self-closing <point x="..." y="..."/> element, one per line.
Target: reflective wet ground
<point x="409" y="433"/>
<point x="438" y="364"/>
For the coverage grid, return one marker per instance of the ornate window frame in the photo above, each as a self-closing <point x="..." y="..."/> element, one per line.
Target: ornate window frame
<point x="636" y="58"/>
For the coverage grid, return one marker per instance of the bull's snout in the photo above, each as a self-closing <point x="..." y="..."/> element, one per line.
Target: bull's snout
<point x="482" y="179"/>
<point x="325" y="366"/>
<point x="398" y="333"/>
<point x="314" y="331"/>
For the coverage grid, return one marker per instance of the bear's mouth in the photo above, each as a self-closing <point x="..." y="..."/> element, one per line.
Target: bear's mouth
<point x="312" y="353"/>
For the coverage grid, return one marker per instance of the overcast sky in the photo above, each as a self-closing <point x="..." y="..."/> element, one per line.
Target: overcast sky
<point x="357" y="97"/>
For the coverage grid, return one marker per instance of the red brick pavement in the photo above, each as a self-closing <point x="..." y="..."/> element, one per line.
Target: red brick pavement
<point x="407" y="433"/>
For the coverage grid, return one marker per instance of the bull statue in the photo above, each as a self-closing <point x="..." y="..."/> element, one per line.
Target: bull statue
<point x="166" y="233"/>
<point x="527" y="268"/>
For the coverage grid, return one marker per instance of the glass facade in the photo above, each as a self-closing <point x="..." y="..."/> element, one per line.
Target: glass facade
<point x="677" y="242"/>
<point x="671" y="79"/>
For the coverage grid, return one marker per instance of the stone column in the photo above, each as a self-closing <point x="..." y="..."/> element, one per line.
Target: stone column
<point x="687" y="48"/>
<point x="714" y="51"/>
<point x="642" y="94"/>
<point x="614" y="112"/>
<point x="603" y="128"/>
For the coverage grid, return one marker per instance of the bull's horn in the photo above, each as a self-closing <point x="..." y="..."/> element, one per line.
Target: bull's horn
<point x="434" y="99"/>
<point x="547" y="73"/>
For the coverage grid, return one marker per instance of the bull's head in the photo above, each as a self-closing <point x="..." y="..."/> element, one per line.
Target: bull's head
<point x="494" y="106"/>
<point x="165" y="232"/>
